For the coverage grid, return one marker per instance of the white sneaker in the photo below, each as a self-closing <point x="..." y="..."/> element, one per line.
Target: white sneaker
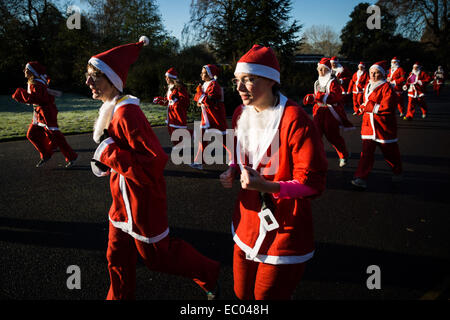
<point x="401" y="115"/>
<point x="359" y="183"/>
<point x="343" y="162"/>
<point x="197" y="166"/>
<point x="424" y="116"/>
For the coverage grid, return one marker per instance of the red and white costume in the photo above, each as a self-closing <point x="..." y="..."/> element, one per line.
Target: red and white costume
<point x="328" y="111"/>
<point x="211" y="98"/>
<point x="356" y="87"/>
<point x="397" y="77"/>
<point x="269" y="264"/>
<point x="379" y="126"/>
<point x="138" y="214"/>
<point x="177" y="102"/>
<point x="344" y="76"/>
<point x="43" y="131"/>
<point x="416" y="85"/>
<point x="438" y="80"/>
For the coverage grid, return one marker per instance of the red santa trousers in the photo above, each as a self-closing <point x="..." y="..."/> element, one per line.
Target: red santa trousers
<point x="261" y="281"/>
<point x="416" y="102"/>
<point x="328" y="125"/>
<point x="400" y="103"/>
<point x="44" y="140"/>
<point x="391" y="153"/>
<point x="437" y="88"/>
<point x="170" y="255"/>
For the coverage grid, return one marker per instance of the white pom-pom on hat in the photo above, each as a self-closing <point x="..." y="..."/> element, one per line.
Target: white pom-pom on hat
<point x="145" y="40"/>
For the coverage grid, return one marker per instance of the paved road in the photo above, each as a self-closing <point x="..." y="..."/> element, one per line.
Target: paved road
<point x="51" y="218"/>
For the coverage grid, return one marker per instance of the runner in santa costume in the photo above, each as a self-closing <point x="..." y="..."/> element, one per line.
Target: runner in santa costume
<point x="131" y="154"/>
<point x="43" y="131"/>
<point x="438" y="80"/>
<point x="397" y="78"/>
<point x="356" y="86"/>
<point x="176" y="100"/>
<point x="343" y="75"/>
<point x="280" y="160"/>
<point x="416" y="85"/>
<point x="209" y="97"/>
<point x="379" y="126"/>
<point x="328" y="112"/>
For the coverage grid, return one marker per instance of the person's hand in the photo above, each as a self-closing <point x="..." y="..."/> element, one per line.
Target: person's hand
<point x="252" y="180"/>
<point x="227" y="177"/>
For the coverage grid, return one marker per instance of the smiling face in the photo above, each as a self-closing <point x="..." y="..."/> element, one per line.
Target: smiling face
<point x="101" y="88"/>
<point x="254" y="90"/>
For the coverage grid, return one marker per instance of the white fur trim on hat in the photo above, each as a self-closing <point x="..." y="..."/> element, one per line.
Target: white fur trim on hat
<point x="258" y="70"/>
<point x="170" y="75"/>
<point x="112" y="76"/>
<point x="379" y="69"/>
<point x="208" y="70"/>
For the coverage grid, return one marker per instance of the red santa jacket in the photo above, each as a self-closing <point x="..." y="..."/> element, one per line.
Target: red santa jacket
<point x="379" y="121"/>
<point x="301" y="156"/>
<point x="417" y="84"/>
<point x="45" y="111"/>
<point x="357" y="83"/>
<point x="177" y="102"/>
<point x="210" y="95"/>
<point x="332" y="102"/>
<point x="344" y="76"/>
<point x="397" y="79"/>
<point x="137" y="184"/>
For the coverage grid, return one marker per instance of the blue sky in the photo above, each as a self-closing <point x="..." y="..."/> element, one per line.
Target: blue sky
<point x="335" y="13"/>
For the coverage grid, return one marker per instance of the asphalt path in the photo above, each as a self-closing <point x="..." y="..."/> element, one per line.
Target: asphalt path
<point x="52" y="218"/>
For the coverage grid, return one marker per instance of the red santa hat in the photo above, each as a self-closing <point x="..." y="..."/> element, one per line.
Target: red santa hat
<point x="334" y="59"/>
<point x="394" y="59"/>
<point x="115" y="62"/>
<point x="325" y="62"/>
<point x="212" y="70"/>
<point x="380" y="66"/>
<point x="417" y="64"/>
<point x="361" y="64"/>
<point x="38" y="70"/>
<point x="172" y="73"/>
<point x="259" y="61"/>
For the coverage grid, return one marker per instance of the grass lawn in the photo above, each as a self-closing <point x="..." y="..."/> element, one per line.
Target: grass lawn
<point x="77" y="114"/>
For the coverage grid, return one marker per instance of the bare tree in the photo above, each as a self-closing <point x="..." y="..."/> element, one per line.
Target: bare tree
<point x="415" y="17"/>
<point x="321" y="39"/>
